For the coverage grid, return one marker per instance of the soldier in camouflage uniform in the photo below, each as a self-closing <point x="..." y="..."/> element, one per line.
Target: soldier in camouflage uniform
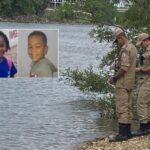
<point x="124" y="80"/>
<point x="143" y="100"/>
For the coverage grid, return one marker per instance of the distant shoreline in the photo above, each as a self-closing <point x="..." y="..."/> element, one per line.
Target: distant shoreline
<point x="25" y="19"/>
<point x="36" y="19"/>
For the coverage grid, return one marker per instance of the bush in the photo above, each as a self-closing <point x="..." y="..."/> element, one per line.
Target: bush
<point x="22" y="7"/>
<point x="5" y="7"/>
<point x="65" y="13"/>
<point x="88" y="81"/>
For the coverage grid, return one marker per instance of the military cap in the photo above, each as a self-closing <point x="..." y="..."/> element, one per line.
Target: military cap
<point x="116" y="33"/>
<point x="141" y="37"/>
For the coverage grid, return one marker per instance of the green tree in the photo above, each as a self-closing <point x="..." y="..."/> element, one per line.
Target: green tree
<point x="66" y="13"/>
<point x="22" y="7"/>
<point x="99" y="13"/>
<point x="137" y="17"/>
<point x="5" y="6"/>
<point x="132" y="20"/>
<point x="91" y="10"/>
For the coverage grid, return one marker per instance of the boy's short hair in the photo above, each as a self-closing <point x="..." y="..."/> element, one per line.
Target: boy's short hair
<point x="5" y="40"/>
<point x="39" y="33"/>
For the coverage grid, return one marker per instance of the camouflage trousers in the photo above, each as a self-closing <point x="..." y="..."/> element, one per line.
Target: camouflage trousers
<point x="123" y="105"/>
<point x="143" y="102"/>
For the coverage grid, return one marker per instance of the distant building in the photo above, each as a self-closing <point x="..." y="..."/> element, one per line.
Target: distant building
<point x="58" y="3"/>
<point x="123" y="5"/>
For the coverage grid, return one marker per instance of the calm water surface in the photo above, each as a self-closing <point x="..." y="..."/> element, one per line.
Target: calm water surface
<point x="46" y="114"/>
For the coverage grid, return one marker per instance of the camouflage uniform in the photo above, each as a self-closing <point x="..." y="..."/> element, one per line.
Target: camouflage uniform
<point x="124" y="85"/>
<point x="143" y="101"/>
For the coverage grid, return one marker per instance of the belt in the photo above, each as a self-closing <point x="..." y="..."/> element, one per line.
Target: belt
<point x="142" y="78"/>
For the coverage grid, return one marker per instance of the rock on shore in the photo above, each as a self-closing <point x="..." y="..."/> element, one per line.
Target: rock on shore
<point x="137" y="143"/>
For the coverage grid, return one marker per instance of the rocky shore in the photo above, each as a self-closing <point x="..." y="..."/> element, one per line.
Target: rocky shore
<point x="136" y="143"/>
<point x="25" y="19"/>
<point x="46" y="17"/>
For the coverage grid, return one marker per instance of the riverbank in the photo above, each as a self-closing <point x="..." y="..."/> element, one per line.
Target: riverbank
<point x="25" y="19"/>
<point x="137" y="143"/>
<point x="48" y="17"/>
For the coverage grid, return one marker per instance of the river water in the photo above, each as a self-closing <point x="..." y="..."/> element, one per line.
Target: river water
<point x="46" y="114"/>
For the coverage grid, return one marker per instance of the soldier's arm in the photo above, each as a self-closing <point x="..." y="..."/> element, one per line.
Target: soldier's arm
<point x="119" y="74"/>
<point x="125" y="63"/>
<point x="125" y="60"/>
<point x="145" y="70"/>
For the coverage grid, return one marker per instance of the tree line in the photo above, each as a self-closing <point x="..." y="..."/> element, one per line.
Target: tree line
<point x="22" y="7"/>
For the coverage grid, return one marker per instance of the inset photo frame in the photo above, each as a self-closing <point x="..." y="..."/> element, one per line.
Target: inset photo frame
<point x="38" y="53"/>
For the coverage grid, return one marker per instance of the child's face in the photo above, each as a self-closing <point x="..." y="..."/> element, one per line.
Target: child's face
<point x="36" y="48"/>
<point x="3" y="48"/>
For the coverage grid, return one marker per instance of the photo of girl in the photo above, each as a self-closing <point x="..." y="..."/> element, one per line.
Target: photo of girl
<point x="7" y="67"/>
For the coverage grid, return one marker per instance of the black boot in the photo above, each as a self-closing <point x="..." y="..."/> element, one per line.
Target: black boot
<point x="149" y="126"/>
<point x="143" y="130"/>
<point x="124" y="133"/>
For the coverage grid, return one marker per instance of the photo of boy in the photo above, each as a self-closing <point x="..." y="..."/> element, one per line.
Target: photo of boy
<point x="38" y="53"/>
<point x="7" y="67"/>
<point x="37" y="49"/>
